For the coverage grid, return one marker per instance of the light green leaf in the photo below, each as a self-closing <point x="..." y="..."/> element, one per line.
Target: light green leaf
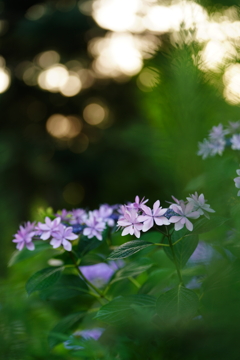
<point x="121" y="308"/>
<point x="26" y="254"/>
<point x="64" y="327"/>
<point x="129" y="249"/>
<point x="178" y="303"/>
<point x="43" y="279"/>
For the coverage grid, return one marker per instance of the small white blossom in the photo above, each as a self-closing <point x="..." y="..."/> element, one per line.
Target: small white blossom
<point x="237" y="181"/>
<point x="235" y="141"/>
<point x="199" y="203"/>
<point x="218" y="132"/>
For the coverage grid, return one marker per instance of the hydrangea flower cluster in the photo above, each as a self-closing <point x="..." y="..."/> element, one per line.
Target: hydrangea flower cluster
<point x="66" y="227"/>
<point x="217" y="140"/>
<point x="137" y="216"/>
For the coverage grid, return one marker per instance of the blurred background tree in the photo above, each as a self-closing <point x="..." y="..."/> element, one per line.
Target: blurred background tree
<point x="105" y="99"/>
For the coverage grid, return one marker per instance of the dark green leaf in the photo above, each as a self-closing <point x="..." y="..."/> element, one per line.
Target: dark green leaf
<point x="85" y="245"/>
<point x="157" y="279"/>
<point x="26" y="254"/>
<point x="67" y="287"/>
<point x="132" y="269"/>
<point x="43" y="279"/>
<point x="64" y="327"/>
<point x="129" y="249"/>
<point x="121" y="308"/>
<point x="205" y="225"/>
<point x="177" y="303"/>
<point x="184" y="248"/>
<point x="152" y="236"/>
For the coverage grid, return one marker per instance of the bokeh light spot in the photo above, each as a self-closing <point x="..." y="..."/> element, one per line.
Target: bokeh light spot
<point x="47" y="58"/>
<point x="71" y="86"/>
<point x="79" y="144"/>
<point x="73" y="193"/>
<point x="4" y="80"/>
<point x="63" y="127"/>
<point x="35" y="12"/>
<point x="94" y="114"/>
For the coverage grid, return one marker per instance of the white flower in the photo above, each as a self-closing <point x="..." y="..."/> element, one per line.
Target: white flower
<point x="237" y="182"/>
<point x="204" y="149"/>
<point x="218" y="132"/>
<point x="235" y="141"/>
<point x="199" y="204"/>
<point x="184" y="212"/>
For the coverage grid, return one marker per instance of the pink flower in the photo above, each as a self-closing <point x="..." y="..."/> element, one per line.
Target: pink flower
<point x="61" y="237"/>
<point x="137" y="204"/>
<point x="150" y="216"/>
<point x="24" y="236"/>
<point x="185" y="212"/>
<point x="49" y="228"/>
<point x="94" y="226"/>
<point x="130" y="221"/>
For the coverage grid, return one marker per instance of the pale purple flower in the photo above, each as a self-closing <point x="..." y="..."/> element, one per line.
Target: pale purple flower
<point x="235" y="141"/>
<point x="87" y="334"/>
<point x="49" y="228"/>
<point x="218" y="132"/>
<point x="78" y="216"/>
<point x="233" y="126"/>
<point x="62" y="237"/>
<point x="184" y="212"/>
<point x="217" y="146"/>
<point x="131" y="223"/>
<point x="64" y="215"/>
<point x="204" y="149"/>
<point x="137" y="204"/>
<point x="237" y="182"/>
<point x="153" y="215"/>
<point x="24" y="236"/>
<point x="100" y="274"/>
<point x="200" y="205"/>
<point x="104" y="212"/>
<point x="94" y="227"/>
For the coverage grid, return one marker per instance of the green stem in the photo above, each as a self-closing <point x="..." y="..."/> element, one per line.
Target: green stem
<point x="86" y="280"/>
<point x="174" y="257"/>
<point x="135" y="282"/>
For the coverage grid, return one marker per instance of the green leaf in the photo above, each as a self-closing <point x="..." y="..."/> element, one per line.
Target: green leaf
<point x="152" y="236"/>
<point x="85" y="245"/>
<point x="159" y="279"/>
<point x="178" y="303"/>
<point x="129" y="249"/>
<point x="26" y="254"/>
<point x="64" y="327"/>
<point x="67" y="287"/>
<point x="43" y="279"/>
<point x="184" y="248"/>
<point x="132" y="269"/>
<point x="205" y="225"/>
<point x="121" y="308"/>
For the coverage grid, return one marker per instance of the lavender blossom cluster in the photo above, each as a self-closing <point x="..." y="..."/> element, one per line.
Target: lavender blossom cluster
<point x="66" y="227"/>
<point x="137" y="217"/>
<point x="217" y="140"/>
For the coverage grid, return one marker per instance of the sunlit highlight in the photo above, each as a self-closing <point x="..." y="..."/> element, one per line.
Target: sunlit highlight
<point x="71" y="86"/>
<point x="4" y="80"/>
<point x="35" y="12"/>
<point x="63" y="127"/>
<point x="47" y="58"/>
<point x="231" y="79"/>
<point x="94" y="114"/>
